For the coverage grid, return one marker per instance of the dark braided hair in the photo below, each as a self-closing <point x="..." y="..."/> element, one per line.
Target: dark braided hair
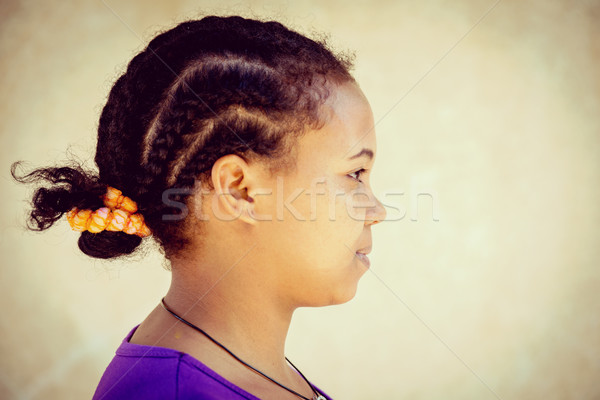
<point x="204" y="89"/>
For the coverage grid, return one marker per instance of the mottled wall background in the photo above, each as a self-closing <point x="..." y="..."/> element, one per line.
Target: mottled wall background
<point x="488" y="126"/>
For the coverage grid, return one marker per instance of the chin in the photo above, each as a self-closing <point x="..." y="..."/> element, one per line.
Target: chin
<point x="343" y="293"/>
<point x="333" y="289"/>
<point x="345" y="297"/>
<point x="339" y="296"/>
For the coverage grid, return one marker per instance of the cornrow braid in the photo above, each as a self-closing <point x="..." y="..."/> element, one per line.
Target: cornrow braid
<point x="201" y="90"/>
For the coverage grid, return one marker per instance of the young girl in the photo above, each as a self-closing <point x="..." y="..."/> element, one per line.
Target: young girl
<point x="244" y="149"/>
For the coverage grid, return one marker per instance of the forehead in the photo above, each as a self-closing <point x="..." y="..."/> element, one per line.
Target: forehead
<point x="349" y="129"/>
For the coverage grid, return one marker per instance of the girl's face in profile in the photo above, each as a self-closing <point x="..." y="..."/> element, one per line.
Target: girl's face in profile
<point x="321" y="213"/>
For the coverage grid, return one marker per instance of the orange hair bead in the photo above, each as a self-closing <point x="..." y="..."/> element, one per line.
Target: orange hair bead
<point x="119" y="220"/>
<point x="78" y="219"/>
<point x="115" y="200"/>
<point x="99" y="220"/>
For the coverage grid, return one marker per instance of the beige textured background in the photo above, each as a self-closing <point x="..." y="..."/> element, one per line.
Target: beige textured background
<point x="496" y="118"/>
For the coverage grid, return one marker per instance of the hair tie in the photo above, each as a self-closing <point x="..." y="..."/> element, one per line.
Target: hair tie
<point x="118" y="215"/>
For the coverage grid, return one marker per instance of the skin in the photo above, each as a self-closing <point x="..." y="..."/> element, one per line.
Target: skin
<point x="257" y="260"/>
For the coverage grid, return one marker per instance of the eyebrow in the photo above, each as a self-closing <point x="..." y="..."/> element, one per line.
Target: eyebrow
<point x="363" y="152"/>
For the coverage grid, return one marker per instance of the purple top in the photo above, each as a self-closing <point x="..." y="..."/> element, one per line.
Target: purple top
<point x="151" y="372"/>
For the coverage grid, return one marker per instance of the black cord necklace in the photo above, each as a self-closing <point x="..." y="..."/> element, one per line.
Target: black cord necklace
<point x="317" y="396"/>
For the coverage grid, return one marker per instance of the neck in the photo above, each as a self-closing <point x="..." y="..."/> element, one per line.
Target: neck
<point x="238" y="313"/>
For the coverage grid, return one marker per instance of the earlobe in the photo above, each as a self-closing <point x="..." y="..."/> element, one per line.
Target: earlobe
<point x="249" y="214"/>
<point x="243" y="204"/>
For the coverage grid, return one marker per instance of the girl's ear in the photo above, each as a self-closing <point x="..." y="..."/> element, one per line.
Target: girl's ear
<point x="233" y="179"/>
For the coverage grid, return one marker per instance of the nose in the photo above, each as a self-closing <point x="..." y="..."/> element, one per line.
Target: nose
<point x="375" y="214"/>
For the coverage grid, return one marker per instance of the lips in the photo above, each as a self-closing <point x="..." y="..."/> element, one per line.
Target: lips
<point x="365" y="250"/>
<point x="363" y="258"/>
<point x="362" y="255"/>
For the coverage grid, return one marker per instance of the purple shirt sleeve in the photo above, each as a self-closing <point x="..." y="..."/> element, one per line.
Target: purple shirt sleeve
<point x="159" y="373"/>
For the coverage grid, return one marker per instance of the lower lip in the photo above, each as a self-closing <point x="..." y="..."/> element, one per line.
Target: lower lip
<point x="364" y="259"/>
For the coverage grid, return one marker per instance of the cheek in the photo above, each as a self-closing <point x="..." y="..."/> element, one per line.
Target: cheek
<point x="335" y="230"/>
<point x="318" y="227"/>
<point x="357" y="203"/>
<point x="337" y="203"/>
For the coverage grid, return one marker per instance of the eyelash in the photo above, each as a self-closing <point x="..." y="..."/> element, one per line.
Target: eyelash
<point x="360" y="173"/>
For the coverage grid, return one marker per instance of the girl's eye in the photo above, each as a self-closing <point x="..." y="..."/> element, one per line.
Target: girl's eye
<point x="358" y="173"/>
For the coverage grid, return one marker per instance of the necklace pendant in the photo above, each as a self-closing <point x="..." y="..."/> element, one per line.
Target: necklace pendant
<point x="319" y="397"/>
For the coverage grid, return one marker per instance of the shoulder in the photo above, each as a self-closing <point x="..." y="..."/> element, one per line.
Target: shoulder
<point x="136" y="373"/>
<point x="150" y="372"/>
